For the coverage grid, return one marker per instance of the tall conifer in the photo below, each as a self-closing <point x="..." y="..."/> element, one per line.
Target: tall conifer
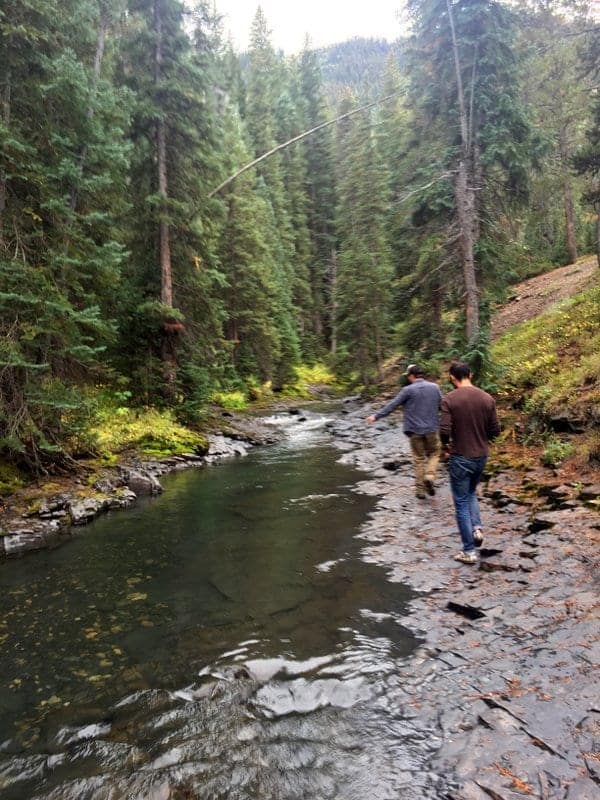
<point x="320" y="186"/>
<point x="466" y="82"/>
<point x="61" y="190"/>
<point x="362" y="293"/>
<point x="262" y="97"/>
<point x="173" y="274"/>
<point x="587" y="160"/>
<point x="249" y="266"/>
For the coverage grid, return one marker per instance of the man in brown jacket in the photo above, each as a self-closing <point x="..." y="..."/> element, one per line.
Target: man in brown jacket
<point x="468" y="423"/>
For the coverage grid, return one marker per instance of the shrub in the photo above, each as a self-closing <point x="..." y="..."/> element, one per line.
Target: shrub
<point x="152" y="432"/>
<point x="555" y="451"/>
<point x="231" y="401"/>
<point x="306" y="376"/>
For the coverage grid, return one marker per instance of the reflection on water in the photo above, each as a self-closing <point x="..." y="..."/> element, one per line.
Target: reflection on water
<point x="221" y="641"/>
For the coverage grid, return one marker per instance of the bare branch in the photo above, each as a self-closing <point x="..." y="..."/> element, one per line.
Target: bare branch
<point x="441" y="177"/>
<point x="299" y="137"/>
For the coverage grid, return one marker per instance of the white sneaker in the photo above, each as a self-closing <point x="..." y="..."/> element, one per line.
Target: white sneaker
<point x="466" y="558"/>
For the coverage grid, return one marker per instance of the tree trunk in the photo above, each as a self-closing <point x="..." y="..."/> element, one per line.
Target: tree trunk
<point x="166" y="280"/>
<point x="465" y="199"/>
<point x="437" y="307"/>
<point x="462" y="108"/>
<point x="465" y="208"/>
<point x="568" y="198"/>
<point x="6" y="121"/>
<point x="334" y="303"/>
<point x="598" y="235"/>
<point x="168" y="354"/>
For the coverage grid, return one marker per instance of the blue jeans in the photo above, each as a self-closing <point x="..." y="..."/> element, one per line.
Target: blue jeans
<point x="465" y="474"/>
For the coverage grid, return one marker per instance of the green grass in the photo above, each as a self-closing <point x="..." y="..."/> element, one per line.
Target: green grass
<point x="553" y="361"/>
<point x="255" y="393"/>
<point x="231" y="401"/>
<point x="308" y="376"/>
<point x="149" y="431"/>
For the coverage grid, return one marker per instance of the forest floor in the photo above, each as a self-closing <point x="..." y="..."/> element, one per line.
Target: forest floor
<point x="532" y="297"/>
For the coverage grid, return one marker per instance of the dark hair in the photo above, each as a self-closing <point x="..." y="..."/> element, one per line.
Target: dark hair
<point x="459" y="370"/>
<point x="414" y="369"/>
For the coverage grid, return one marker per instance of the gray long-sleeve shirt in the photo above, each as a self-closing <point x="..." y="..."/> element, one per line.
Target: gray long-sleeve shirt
<point x="421" y="401"/>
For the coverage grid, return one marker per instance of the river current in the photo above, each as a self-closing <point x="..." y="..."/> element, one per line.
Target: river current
<point x="224" y="640"/>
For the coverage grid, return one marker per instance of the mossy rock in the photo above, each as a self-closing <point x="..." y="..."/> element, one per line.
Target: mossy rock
<point x="164" y="447"/>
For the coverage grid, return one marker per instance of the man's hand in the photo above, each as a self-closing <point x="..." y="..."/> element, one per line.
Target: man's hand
<point x="371" y="418"/>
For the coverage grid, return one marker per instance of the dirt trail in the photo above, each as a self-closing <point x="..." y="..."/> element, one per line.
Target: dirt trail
<point x="532" y="297"/>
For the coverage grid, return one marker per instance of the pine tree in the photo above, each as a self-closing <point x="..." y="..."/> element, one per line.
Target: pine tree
<point x="249" y="266"/>
<point x="289" y="122"/>
<point x="61" y="191"/>
<point x="559" y="96"/>
<point x="587" y="160"/>
<point x="465" y="78"/>
<point x="416" y="221"/>
<point x="263" y="93"/>
<point x="364" y="277"/>
<point x="320" y="186"/>
<point x="174" y="325"/>
<point x="262" y="97"/>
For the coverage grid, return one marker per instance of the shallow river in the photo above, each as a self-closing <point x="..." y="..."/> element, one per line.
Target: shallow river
<point x="224" y="640"/>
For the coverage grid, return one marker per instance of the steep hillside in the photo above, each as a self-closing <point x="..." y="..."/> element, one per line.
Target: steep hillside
<point x="547" y="357"/>
<point x="533" y="296"/>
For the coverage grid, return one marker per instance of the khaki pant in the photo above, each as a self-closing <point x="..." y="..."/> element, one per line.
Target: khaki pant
<point x="426" y="449"/>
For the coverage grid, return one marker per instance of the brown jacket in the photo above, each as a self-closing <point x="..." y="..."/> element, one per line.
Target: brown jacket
<point x="468" y="421"/>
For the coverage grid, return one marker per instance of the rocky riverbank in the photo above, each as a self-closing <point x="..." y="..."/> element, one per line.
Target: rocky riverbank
<point x="48" y="514"/>
<point x="506" y="681"/>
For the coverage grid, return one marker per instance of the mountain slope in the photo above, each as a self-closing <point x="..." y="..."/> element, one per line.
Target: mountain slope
<point x="533" y="296"/>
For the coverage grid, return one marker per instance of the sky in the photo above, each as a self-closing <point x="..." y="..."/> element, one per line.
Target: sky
<point x="326" y="21"/>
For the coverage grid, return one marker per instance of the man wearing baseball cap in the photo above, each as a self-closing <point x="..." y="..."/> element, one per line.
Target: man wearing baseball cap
<point x="421" y="401"/>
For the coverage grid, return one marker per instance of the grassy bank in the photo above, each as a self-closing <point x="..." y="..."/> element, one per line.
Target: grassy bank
<point x="110" y="430"/>
<point x="548" y="371"/>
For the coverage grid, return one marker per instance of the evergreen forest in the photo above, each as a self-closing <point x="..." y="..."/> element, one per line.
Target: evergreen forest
<point x="141" y="266"/>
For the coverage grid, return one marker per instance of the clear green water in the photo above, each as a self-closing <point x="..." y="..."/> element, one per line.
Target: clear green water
<point x="166" y="646"/>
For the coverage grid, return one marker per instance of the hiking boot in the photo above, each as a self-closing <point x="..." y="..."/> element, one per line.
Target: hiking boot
<point x="466" y="558"/>
<point x="477" y="536"/>
<point x="429" y="487"/>
<point x="421" y="495"/>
